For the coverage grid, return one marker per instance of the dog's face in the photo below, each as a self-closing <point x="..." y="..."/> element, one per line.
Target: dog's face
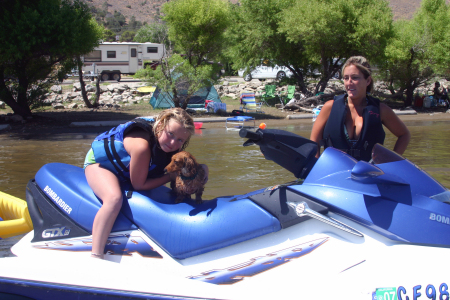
<point x="183" y="162"/>
<point x="190" y="176"/>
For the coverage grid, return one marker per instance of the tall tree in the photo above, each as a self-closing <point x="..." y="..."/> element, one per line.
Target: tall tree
<point x="408" y="62"/>
<point x="333" y="30"/>
<point x="127" y="36"/>
<point x="178" y="78"/>
<point x="254" y="36"/>
<point x="132" y="24"/>
<point x="156" y="32"/>
<point x="40" y="39"/>
<point x="109" y="36"/>
<point x="197" y="28"/>
<point x="419" y="49"/>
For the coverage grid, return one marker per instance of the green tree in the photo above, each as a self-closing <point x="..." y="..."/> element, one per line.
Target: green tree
<point x="39" y="41"/>
<point x="112" y="24"/>
<point x="418" y="50"/>
<point x="408" y="63"/>
<point x="197" y="28"/>
<point x="120" y="18"/>
<point x="326" y="33"/>
<point x="132" y="24"/>
<point x="176" y="76"/>
<point x="333" y="30"/>
<point x="433" y="17"/>
<point x="127" y="36"/>
<point x="109" y="36"/>
<point x="154" y="33"/>
<point x="253" y="37"/>
<point x="115" y="22"/>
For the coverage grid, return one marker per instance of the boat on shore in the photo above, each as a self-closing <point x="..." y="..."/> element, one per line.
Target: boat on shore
<point x="344" y="229"/>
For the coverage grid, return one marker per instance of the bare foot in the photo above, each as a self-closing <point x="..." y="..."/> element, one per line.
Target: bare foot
<point x="95" y="255"/>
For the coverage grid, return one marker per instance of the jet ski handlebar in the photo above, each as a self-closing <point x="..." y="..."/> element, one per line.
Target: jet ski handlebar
<point x="293" y="152"/>
<point x="253" y="136"/>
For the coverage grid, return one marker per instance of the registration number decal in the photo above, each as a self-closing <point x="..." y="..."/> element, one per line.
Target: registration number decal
<point x="401" y="293"/>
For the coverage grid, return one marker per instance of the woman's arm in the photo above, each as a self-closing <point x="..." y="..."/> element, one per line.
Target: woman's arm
<point x="319" y="124"/>
<point x="396" y="126"/>
<point x="137" y="145"/>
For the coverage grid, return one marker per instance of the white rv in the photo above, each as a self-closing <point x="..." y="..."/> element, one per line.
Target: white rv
<point x="113" y="59"/>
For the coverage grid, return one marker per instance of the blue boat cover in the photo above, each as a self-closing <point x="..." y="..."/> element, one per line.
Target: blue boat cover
<point x="182" y="230"/>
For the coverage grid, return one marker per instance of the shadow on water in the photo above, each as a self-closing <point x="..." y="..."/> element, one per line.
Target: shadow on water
<point x="47" y="125"/>
<point x="97" y="115"/>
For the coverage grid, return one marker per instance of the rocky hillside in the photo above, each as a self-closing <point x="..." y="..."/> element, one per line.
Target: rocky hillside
<point x="146" y="10"/>
<point x="142" y="10"/>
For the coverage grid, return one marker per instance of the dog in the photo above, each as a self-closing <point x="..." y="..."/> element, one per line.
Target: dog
<point x="191" y="177"/>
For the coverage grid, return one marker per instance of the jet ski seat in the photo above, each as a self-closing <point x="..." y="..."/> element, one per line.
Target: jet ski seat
<point x="182" y="230"/>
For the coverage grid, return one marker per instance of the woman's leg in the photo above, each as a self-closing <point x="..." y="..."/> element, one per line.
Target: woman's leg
<point x="106" y="186"/>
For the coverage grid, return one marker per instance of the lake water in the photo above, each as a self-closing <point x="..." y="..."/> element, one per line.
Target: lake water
<point x="234" y="169"/>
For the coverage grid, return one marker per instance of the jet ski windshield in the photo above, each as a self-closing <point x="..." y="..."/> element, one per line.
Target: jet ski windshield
<point x="382" y="155"/>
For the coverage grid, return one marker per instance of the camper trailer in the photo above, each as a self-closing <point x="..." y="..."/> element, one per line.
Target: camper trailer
<point x="111" y="60"/>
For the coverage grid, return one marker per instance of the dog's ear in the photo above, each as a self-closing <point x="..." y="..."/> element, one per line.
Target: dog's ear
<point x="193" y="159"/>
<point x="189" y="164"/>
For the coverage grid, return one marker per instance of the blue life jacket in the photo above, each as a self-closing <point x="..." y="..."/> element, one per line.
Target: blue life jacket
<point x="110" y="152"/>
<point x="372" y="131"/>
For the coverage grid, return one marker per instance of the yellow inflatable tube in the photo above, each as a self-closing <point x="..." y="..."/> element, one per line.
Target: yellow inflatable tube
<point x="16" y="219"/>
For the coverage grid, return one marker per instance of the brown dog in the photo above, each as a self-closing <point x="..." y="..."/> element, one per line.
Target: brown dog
<point x="191" y="176"/>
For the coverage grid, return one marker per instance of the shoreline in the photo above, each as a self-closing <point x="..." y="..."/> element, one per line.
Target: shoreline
<point x="81" y="121"/>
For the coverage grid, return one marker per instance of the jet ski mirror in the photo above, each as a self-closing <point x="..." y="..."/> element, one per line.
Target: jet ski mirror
<point x="364" y="171"/>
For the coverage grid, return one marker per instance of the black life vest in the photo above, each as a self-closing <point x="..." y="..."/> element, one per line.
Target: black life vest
<point x="372" y="131"/>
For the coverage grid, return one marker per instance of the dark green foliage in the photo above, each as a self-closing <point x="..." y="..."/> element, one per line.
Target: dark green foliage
<point x="109" y="36"/>
<point x="39" y="40"/>
<point x="418" y="51"/>
<point x="127" y="36"/>
<point x="133" y="23"/>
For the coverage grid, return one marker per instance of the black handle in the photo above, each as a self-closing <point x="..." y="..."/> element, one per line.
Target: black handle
<point x="254" y="136"/>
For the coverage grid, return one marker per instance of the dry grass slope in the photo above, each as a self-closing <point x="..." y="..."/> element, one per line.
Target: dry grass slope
<point x="145" y="10"/>
<point x="142" y="10"/>
<point x="404" y="9"/>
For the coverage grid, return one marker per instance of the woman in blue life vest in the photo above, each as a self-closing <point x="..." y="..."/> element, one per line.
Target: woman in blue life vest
<point x="353" y="122"/>
<point x="135" y="153"/>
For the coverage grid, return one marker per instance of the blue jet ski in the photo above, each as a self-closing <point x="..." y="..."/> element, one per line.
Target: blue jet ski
<point x="370" y="229"/>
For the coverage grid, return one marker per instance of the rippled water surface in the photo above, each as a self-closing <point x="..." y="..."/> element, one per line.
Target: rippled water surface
<point x="234" y="169"/>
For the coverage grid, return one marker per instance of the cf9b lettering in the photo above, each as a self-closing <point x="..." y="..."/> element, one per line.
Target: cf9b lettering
<point x="430" y="291"/>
